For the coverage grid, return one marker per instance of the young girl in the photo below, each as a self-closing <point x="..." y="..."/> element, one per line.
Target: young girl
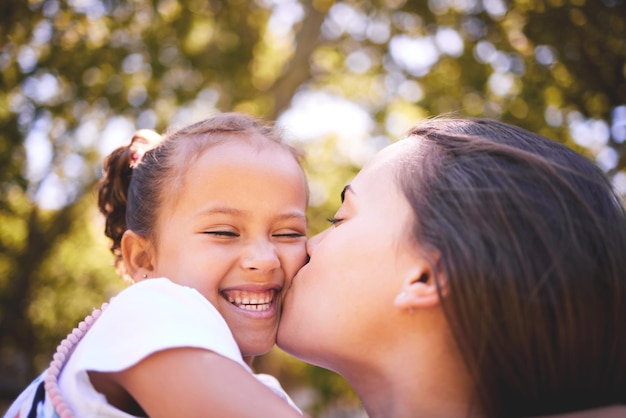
<point x="210" y="227"/>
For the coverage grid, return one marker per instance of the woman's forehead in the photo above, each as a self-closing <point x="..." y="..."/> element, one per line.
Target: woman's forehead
<point x="380" y="171"/>
<point x="394" y="155"/>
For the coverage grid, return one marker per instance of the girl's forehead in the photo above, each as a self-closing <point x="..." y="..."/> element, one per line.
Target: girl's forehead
<point x="246" y="146"/>
<point x="229" y="158"/>
<point x="243" y="158"/>
<point x="236" y="180"/>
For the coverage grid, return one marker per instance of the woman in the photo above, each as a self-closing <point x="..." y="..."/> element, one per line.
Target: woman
<point x="474" y="269"/>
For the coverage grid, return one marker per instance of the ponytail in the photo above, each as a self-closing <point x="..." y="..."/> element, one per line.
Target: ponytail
<point x="113" y="188"/>
<point x="112" y="198"/>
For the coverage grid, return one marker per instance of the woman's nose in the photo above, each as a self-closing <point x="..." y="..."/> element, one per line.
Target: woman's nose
<point x="261" y="256"/>
<point x="312" y="243"/>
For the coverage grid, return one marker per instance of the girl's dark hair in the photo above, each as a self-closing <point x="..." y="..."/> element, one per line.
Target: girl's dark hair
<point x="532" y="245"/>
<point x="112" y="197"/>
<point x="131" y="198"/>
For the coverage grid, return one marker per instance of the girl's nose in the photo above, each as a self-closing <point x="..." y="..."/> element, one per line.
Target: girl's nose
<point x="261" y="256"/>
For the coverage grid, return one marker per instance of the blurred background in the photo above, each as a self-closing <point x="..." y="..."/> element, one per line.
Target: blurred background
<point x="342" y="78"/>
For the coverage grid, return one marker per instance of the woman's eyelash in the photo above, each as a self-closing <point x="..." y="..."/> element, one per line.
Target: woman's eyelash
<point x="334" y="220"/>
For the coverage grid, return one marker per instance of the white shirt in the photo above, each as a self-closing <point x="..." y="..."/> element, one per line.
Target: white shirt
<point x="147" y="317"/>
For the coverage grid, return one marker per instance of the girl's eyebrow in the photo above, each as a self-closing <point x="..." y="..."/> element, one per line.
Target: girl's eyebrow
<point x="348" y="188"/>
<point x="222" y="210"/>
<point x="243" y="214"/>
<point x="292" y="215"/>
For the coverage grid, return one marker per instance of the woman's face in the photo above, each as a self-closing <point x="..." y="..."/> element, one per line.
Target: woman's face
<point x="343" y="299"/>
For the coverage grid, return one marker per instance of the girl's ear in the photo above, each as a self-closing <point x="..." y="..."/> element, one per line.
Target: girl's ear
<point x="419" y="289"/>
<point x="137" y="255"/>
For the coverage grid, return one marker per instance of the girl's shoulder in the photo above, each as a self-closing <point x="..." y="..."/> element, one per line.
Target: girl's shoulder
<point x="152" y="315"/>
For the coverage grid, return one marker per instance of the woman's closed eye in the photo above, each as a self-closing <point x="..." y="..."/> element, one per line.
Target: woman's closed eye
<point x="335" y="221"/>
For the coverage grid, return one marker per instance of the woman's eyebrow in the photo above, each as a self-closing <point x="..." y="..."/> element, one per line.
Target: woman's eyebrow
<point x="348" y="188"/>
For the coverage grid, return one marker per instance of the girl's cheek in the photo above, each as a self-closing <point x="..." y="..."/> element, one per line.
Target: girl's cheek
<point x="300" y="259"/>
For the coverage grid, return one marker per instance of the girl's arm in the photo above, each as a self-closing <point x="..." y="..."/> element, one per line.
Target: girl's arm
<point x="193" y="382"/>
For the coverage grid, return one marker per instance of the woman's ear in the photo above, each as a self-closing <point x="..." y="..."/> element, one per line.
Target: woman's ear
<point x="419" y="289"/>
<point x="137" y="255"/>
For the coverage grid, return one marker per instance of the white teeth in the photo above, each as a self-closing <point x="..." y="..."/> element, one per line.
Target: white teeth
<point x="251" y="301"/>
<point x="257" y="308"/>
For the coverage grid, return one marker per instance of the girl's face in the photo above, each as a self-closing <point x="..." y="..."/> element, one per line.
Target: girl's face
<point x="343" y="299"/>
<point x="236" y="232"/>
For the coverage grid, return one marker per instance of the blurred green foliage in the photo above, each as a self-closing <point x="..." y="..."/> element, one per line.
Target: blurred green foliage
<point x="71" y="71"/>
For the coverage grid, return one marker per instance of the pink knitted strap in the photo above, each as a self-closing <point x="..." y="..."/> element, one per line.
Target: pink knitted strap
<point x="59" y="359"/>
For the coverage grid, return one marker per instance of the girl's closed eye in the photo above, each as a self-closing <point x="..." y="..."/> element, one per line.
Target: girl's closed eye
<point x="288" y="234"/>
<point x="222" y="233"/>
<point x="335" y="221"/>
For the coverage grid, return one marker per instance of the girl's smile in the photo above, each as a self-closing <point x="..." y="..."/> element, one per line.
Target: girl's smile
<point x="258" y="302"/>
